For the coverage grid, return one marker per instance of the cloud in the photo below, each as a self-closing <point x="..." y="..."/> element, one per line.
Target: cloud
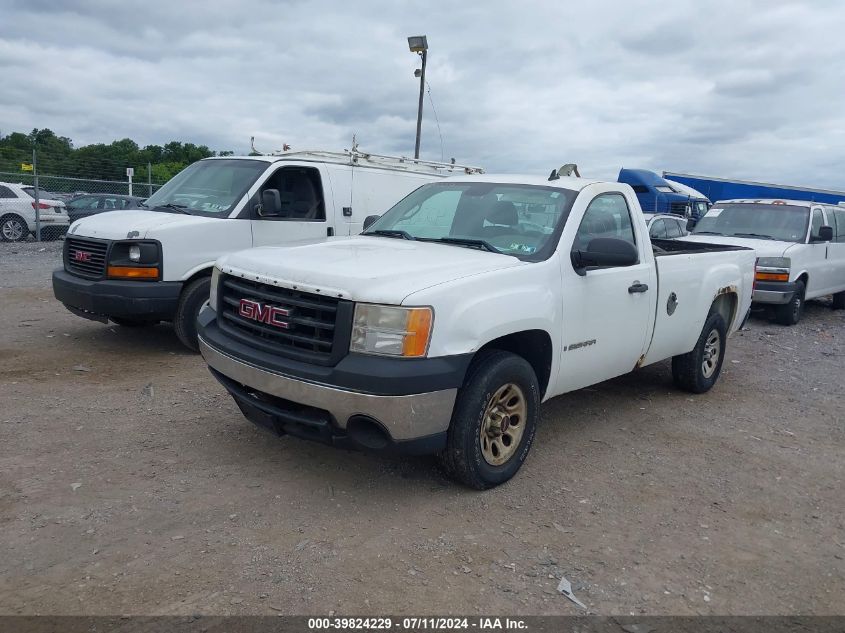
<point x="745" y="90"/>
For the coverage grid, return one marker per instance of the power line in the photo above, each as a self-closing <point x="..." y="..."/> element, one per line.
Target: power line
<point x="436" y="120"/>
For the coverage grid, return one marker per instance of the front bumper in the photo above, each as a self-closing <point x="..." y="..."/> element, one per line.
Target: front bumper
<point x="773" y="292"/>
<point x="404" y="420"/>
<point x="99" y="299"/>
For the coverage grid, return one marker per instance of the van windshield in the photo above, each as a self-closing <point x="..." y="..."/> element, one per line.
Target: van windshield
<point x="782" y="222"/>
<point x="208" y="187"/>
<point x="512" y="219"/>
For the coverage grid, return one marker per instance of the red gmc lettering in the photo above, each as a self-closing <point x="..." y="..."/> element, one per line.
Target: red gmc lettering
<point x="271" y="315"/>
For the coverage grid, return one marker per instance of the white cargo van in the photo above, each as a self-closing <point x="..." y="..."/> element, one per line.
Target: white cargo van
<point x="139" y="267"/>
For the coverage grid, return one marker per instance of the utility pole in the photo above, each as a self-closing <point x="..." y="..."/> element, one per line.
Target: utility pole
<point x="419" y="44"/>
<point x="37" y="203"/>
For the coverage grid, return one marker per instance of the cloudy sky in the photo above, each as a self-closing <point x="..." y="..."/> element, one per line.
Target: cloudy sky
<point x="736" y="88"/>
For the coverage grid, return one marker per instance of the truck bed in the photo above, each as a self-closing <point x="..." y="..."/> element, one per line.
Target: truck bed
<point x="680" y="247"/>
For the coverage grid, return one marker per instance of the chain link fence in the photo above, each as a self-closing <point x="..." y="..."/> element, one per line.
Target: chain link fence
<point x="60" y="201"/>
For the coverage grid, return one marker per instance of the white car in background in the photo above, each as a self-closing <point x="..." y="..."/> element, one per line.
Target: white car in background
<point x="665" y="226"/>
<point x="17" y="214"/>
<point x="800" y="248"/>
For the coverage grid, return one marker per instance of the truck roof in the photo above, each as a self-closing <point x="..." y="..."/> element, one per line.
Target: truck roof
<point x="564" y="182"/>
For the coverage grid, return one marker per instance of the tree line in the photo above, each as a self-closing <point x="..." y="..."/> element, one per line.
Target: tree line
<point x="57" y="156"/>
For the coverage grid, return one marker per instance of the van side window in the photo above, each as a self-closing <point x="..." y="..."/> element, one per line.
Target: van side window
<point x="817" y="223"/>
<point x="839" y="229"/>
<point x="301" y="193"/>
<point x="607" y="216"/>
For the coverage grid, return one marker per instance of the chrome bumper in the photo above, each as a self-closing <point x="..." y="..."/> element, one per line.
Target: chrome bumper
<point x="404" y="417"/>
<point x="778" y="297"/>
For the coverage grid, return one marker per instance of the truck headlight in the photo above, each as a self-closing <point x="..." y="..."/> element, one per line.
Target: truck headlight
<point x="772" y="269"/>
<point x="212" y="297"/>
<point x="391" y="330"/>
<point x="135" y="253"/>
<point x="137" y="260"/>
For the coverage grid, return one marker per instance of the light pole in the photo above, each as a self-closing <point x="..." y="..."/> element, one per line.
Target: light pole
<point x="419" y="45"/>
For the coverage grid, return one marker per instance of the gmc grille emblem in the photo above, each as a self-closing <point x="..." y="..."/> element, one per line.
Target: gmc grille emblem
<point x="271" y="315"/>
<point x="81" y="256"/>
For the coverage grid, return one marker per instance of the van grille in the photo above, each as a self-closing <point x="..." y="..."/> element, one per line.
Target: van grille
<point x="308" y="327"/>
<point x="86" y="257"/>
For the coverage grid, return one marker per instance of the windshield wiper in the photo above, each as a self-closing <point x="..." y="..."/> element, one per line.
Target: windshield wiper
<point x="706" y="233"/>
<point x="765" y="237"/>
<point x="465" y="241"/>
<point x="391" y="233"/>
<point x="181" y="208"/>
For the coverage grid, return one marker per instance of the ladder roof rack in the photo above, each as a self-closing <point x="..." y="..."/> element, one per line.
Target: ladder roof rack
<point x="357" y="157"/>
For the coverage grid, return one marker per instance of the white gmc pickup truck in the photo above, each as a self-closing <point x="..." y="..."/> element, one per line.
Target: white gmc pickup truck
<point x="445" y="324"/>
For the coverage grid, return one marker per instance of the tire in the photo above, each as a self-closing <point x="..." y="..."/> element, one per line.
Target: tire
<point x="790" y="313"/>
<point x="696" y="371"/>
<point x="13" y="228"/>
<point x="494" y="377"/>
<point x="838" y="301"/>
<point x="123" y="322"/>
<point x="185" y="322"/>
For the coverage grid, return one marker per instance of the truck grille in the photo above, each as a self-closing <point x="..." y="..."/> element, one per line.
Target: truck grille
<point x="300" y="325"/>
<point x="678" y="208"/>
<point x="86" y="257"/>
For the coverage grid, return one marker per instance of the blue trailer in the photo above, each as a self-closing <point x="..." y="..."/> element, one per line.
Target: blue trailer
<point x="657" y="195"/>
<point x="725" y="189"/>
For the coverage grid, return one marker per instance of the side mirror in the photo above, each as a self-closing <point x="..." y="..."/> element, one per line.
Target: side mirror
<point x="605" y="251"/>
<point x="825" y="234"/>
<point x="271" y="204"/>
<point x="368" y="221"/>
<point x="690" y="224"/>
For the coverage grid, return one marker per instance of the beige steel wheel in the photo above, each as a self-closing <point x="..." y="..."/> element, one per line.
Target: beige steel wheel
<point x="503" y="424"/>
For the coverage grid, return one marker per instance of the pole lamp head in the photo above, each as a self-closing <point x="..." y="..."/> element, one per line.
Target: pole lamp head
<point x="418" y="43"/>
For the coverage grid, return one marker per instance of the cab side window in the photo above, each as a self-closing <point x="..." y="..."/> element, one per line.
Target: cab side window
<point x="817" y="223"/>
<point x="607" y="216"/>
<point x="301" y="194"/>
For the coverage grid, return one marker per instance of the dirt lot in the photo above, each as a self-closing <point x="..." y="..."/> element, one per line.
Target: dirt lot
<point x="130" y="484"/>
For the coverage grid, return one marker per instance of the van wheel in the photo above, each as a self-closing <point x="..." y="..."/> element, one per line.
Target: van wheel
<point x="838" y="301"/>
<point x="790" y="313"/>
<point x="193" y="297"/>
<point x="697" y="371"/>
<point x="13" y="228"/>
<point x="123" y="322"/>
<point x="494" y="420"/>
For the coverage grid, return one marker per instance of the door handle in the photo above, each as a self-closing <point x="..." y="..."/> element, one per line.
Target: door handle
<point x="637" y="287"/>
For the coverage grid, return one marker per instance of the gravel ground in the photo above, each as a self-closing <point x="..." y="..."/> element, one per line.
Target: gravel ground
<point x="130" y="484"/>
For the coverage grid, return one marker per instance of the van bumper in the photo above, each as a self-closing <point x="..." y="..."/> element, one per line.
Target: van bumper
<point x="100" y="299"/>
<point x="774" y="292"/>
<point x="404" y="421"/>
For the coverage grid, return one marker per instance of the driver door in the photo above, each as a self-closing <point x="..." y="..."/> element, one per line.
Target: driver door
<point x="607" y="312"/>
<point x="304" y="205"/>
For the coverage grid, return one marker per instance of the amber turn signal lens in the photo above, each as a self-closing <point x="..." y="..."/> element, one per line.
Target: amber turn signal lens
<point x="132" y="272"/>
<point x="417" y="332"/>
<point x="771" y="276"/>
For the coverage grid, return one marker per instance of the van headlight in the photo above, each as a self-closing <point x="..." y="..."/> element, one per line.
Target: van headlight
<point x="212" y="297"/>
<point x="772" y="269"/>
<point x="391" y="330"/>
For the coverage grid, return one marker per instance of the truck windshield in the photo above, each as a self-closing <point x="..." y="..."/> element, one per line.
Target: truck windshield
<point x="208" y="187"/>
<point x="782" y="222"/>
<point x="513" y="219"/>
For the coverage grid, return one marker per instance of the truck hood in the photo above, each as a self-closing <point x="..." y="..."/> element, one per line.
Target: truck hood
<point x="120" y="225"/>
<point x="763" y="248"/>
<point x="371" y="269"/>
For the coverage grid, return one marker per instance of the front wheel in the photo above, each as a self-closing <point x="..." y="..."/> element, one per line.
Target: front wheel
<point x="494" y="420"/>
<point x="13" y="229"/>
<point x="790" y="313"/>
<point x="194" y="295"/>
<point x="697" y="371"/>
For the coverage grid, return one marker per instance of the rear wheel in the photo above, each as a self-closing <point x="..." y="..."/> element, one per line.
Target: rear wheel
<point x="13" y="228"/>
<point x="839" y="301"/>
<point x="790" y="313"/>
<point x="494" y="420"/>
<point x="697" y="371"/>
<point x="193" y="297"/>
